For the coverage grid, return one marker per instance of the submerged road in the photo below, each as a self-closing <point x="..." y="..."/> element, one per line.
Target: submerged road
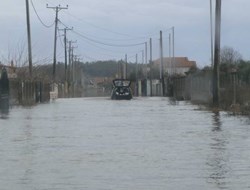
<point x="142" y="144"/>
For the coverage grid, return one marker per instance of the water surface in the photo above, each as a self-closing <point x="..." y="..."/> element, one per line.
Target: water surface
<point x="142" y="144"/>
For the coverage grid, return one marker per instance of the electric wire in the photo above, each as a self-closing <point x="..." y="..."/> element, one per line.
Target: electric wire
<point x="104" y="43"/>
<point x="107" y="44"/>
<point x="99" y="47"/>
<point x="117" y="33"/>
<point x="63" y="46"/>
<point x="39" y="18"/>
<point x="114" y="32"/>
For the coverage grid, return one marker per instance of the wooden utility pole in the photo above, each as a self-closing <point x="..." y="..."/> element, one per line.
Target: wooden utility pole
<point x="161" y="70"/>
<point x="126" y="67"/>
<point x="173" y="36"/>
<point x="121" y="69"/>
<point x="57" y="9"/>
<point x="73" y="61"/>
<point x="142" y="57"/>
<point x="217" y="54"/>
<point x="136" y="74"/>
<point x="65" y="49"/>
<point x="170" y="58"/>
<point x="29" y="38"/>
<point x="151" y="67"/>
<point x="211" y="34"/>
<point x="70" y="52"/>
<point x="69" y="67"/>
<point x="146" y="59"/>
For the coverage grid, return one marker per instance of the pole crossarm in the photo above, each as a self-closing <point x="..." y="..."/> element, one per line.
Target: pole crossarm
<point x="65" y="29"/>
<point x="57" y="7"/>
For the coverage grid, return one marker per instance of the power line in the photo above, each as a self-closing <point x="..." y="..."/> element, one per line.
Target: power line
<point x="39" y="18"/>
<point x="131" y="37"/>
<point x="114" y="32"/>
<point x="63" y="46"/>
<point x="102" y="48"/>
<point x="103" y="43"/>
<point x="107" y="44"/>
<point x="109" y="50"/>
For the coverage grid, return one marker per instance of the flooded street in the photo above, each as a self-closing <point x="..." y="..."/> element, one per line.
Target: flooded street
<point x="142" y="144"/>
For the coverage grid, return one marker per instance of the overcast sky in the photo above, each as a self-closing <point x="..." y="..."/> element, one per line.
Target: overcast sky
<point x="123" y="22"/>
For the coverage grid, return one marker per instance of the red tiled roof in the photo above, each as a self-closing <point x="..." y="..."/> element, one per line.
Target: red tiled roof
<point x="179" y="62"/>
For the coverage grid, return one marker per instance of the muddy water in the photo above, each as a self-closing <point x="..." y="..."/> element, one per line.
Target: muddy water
<point x="142" y="144"/>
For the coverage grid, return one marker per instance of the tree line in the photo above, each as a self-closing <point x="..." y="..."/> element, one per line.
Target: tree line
<point x="231" y="61"/>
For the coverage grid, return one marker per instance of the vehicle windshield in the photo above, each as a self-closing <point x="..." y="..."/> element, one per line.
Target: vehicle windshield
<point x="121" y="83"/>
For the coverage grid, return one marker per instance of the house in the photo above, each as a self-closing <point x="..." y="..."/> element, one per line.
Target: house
<point x="11" y="70"/>
<point x="177" y="65"/>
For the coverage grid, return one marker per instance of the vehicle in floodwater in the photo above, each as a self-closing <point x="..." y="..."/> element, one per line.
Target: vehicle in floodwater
<point x="121" y="90"/>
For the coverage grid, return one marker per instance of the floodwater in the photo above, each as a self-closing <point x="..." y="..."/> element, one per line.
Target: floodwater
<point x="142" y="144"/>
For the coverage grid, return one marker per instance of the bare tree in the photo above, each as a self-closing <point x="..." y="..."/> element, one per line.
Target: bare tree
<point x="229" y="56"/>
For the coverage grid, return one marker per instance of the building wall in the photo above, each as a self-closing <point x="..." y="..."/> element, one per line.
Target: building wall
<point x="177" y="70"/>
<point x="197" y="88"/>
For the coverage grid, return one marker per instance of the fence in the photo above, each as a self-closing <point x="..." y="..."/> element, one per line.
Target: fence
<point x="28" y="92"/>
<point x="198" y="88"/>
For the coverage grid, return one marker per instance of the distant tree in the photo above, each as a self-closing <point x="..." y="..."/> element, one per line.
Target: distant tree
<point x="230" y="59"/>
<point x="192" y="70"/>
<point x="207" y="69"/>
<point x="101" y="68"/>
<point x="244" y="71"/>
<point x="140" y="75"/>
<point x="230" y="56"/>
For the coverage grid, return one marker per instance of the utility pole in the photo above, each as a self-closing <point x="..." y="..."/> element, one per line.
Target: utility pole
<point x="170" y="58"/>
<point x="57" y="9"/>
<point x="73" y="62"/>
<point x="146" y="59"/>
<point x="75" y="74"/>
<point x="173" y="31"/>
<point x="217" y="54"/>
<point x="121" y="65"/>
<point x="151" y="66"/>
<point x="142" y="56"/>
<point x="70" y="52"/>
<point x="162" y="71"/>
<point x="126" y="67"/>
<point x="29" y="38"/>
<point x="211" y="31"/>
<point x="70" y="66"/>
<point x="74" y="58"/>
<point x="136" y="74"/>
<point x="65" y="49"/>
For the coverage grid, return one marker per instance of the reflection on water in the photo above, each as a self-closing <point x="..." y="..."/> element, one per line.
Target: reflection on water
<point x="218" y="155"/>
<point x="4" y="113"/>
<point x="142" y="144"/>
<point x="216" y="121"/>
